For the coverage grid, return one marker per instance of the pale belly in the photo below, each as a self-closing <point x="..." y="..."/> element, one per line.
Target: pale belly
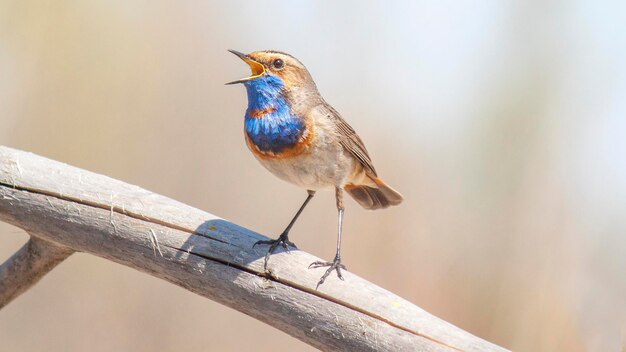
<point x="323" y="166"/>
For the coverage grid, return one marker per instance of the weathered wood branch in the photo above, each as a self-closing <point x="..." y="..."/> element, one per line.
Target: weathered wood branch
<point x="27" y="266"/>
<point x="67" y="209"/>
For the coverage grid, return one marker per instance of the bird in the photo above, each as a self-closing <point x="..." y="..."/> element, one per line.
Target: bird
<point x="296" y="135"/>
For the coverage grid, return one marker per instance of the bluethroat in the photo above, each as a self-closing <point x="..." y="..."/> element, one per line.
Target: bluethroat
<point x="301" y="139"/>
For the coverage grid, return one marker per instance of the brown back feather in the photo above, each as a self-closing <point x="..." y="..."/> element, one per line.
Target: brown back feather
<point x="350" y="140"/>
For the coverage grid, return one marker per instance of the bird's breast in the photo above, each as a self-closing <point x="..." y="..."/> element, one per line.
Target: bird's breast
<point x="275" y="132"/>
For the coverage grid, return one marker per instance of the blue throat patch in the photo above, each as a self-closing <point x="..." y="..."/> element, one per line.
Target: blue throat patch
<point x="278" y="129"/>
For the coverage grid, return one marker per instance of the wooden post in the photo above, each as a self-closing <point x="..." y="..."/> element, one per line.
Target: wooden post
<point x="67" y="209"/>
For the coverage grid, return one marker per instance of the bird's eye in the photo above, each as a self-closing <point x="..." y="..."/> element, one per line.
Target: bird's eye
<point x="278" y="63"/>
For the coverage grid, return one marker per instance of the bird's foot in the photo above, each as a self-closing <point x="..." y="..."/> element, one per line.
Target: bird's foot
<point x="282" y="240"/>
<point x="334" y="265"/>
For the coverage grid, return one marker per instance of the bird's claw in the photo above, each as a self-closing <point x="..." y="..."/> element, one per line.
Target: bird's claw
<point x="282" y="240"/>
<point x="334" y="265"/>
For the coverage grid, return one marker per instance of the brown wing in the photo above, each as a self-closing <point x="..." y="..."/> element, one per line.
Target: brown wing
<point x="350" y="140"/>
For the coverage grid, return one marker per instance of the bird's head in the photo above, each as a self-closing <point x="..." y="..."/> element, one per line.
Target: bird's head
<point x="274" y="70"/>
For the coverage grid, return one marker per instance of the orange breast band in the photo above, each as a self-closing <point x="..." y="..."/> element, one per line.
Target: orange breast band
<point x="260" y="113"/>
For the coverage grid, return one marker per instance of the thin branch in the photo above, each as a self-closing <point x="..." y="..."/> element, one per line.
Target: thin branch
<point x="213" y="258"/>
<point x="27" y="266"/>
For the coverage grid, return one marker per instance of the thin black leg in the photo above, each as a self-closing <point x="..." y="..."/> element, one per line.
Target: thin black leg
<point x="335" y="265"/>
<point x="283" y="239"/>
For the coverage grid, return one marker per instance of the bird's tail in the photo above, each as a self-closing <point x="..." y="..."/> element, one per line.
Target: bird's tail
<point x="374" y="196"/>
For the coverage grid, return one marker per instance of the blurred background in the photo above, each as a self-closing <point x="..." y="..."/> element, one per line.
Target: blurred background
<point x="503" y="124"/>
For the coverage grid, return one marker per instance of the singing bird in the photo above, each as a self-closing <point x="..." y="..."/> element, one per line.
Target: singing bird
<point x="301" y="139"/>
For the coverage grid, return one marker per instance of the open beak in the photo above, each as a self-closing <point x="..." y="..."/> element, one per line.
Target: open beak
<point x="257" y="68"/>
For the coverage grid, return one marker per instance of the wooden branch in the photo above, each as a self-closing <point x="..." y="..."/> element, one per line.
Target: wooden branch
<point x="75" y="210"/>
<point x="27" y="266"/>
